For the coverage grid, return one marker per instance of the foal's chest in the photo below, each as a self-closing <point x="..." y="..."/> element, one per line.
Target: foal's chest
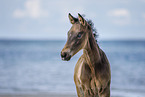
<point x="84" y="78"/>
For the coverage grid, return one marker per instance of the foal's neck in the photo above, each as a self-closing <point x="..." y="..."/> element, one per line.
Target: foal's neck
<point x="91" y="51"/>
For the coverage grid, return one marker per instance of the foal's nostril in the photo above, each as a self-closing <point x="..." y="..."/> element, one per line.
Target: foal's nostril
<point x="63" y="54"/>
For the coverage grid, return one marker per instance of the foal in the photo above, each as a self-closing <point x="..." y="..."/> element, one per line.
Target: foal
<point x="92" y="73"/>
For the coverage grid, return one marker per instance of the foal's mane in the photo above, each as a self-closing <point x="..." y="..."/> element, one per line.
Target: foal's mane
<point x="91" y="25"/>
<point x="93" y="28"/>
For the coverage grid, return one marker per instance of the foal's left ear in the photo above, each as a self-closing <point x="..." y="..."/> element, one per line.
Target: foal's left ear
<point x="71" y="18"/>
<point x="81" y="20"/>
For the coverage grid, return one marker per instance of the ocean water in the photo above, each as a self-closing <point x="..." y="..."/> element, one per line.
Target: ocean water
<point x="36" y="66"/>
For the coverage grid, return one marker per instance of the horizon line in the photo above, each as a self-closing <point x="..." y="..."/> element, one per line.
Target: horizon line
<point x="60" y="39"/>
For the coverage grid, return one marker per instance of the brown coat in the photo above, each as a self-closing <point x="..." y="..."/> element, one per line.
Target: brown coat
<point x="92" y="73"/>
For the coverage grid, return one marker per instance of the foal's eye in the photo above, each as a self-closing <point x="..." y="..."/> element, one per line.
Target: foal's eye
<point x="79" y="35"/>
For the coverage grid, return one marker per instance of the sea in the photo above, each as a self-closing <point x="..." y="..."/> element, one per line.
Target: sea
<point x="35" y="66"/>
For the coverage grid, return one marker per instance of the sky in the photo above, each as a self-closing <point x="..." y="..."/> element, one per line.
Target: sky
<point x="48" y="19"/>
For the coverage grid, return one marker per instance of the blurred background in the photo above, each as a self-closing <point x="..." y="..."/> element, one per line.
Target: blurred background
<point x="33" y="32"/>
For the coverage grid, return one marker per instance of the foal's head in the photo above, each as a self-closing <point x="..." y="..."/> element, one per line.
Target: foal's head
<point x="77" y="37"/>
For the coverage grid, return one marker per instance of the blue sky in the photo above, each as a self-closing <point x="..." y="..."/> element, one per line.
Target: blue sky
<point x="48" y="19"/>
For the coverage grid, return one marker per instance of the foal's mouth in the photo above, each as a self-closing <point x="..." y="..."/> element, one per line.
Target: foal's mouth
<point x="65" y="56"/>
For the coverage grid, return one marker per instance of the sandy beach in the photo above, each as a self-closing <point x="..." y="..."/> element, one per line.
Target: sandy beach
<point x="38" y="95"/>
<point x="114" y="93"/>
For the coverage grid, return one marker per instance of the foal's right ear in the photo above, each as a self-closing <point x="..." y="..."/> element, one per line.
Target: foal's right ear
<point x="71" y="18"/>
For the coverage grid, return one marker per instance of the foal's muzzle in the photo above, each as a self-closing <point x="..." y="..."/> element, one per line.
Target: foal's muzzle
<point x="65" y="56"/>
